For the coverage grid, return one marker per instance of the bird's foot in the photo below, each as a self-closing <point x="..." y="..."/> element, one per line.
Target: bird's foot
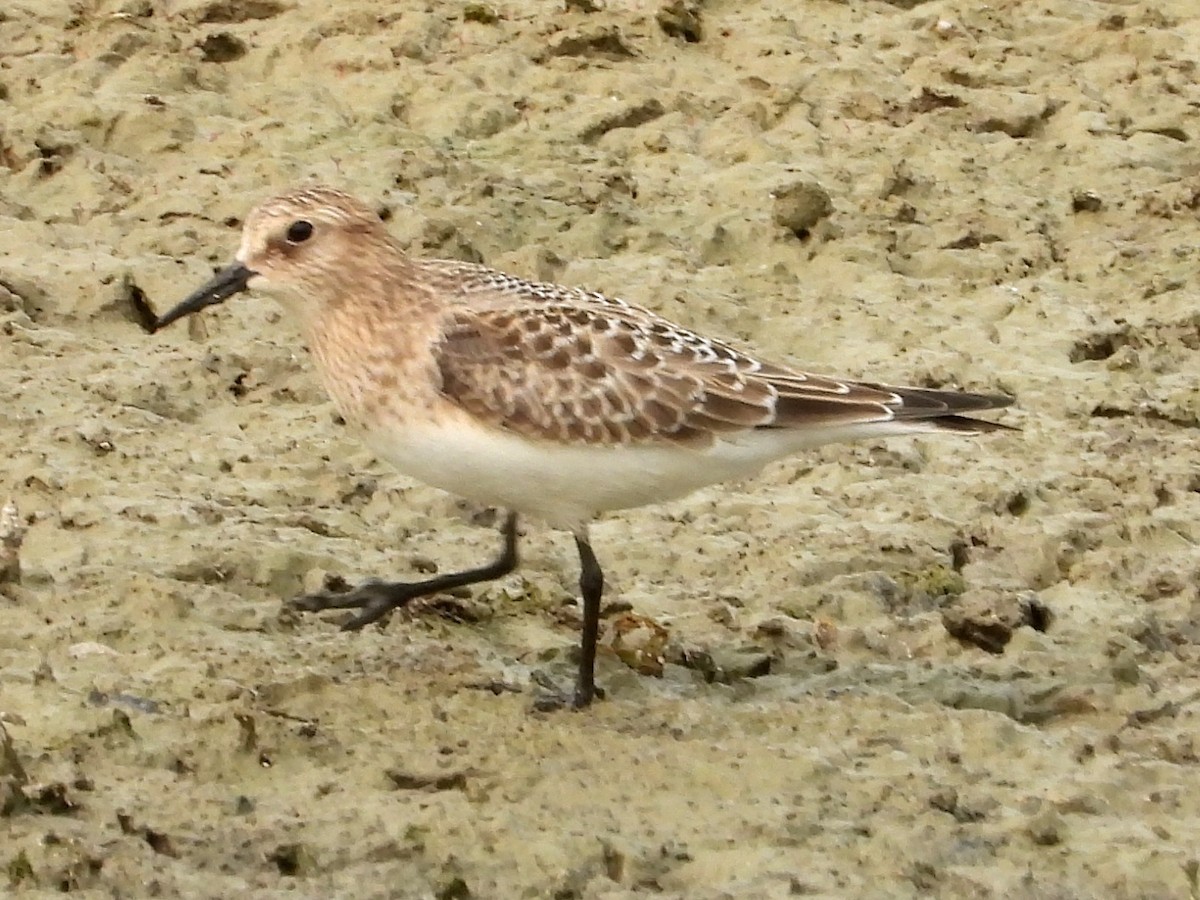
<point x="549" y="696"/>
<point x="373" y="599"/>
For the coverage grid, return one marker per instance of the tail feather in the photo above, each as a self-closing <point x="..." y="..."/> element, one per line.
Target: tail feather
<point x="918" y="402"/>
<point x="967" y="425"/>
<point x="801" y="406"/>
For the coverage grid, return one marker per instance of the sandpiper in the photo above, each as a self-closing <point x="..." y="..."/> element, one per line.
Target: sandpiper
<point x="548" y="401"/>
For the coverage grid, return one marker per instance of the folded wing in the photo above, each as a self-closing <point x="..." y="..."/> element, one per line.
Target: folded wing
<point x="603" y="372"/>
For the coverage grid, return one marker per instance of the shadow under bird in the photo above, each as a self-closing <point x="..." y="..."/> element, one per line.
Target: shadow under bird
<point x="548" y="401"/>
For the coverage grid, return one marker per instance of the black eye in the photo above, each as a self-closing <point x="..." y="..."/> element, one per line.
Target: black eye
<point x="299" y="232"/>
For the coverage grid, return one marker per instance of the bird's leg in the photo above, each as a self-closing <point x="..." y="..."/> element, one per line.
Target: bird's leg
<point x="591" y="586"/>
<point x="375" y="599"/>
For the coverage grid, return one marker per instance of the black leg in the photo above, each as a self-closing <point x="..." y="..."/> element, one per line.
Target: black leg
<point x="375" y="599"/>
<point x="591" y="586"/>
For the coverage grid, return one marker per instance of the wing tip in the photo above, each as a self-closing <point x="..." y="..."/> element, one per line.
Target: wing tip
<point x="959" y="424"/>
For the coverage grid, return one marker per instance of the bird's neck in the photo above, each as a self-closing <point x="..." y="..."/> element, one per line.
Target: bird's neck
<point x="367" y="354"/>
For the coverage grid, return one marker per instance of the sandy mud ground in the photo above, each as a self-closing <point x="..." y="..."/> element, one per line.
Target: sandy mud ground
<point x="950" y="668"/>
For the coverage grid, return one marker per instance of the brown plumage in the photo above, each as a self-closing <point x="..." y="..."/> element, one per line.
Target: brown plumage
<point x="602" y="372"/>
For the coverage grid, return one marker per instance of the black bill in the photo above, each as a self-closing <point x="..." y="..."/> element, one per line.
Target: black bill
<point x="229" y="281"/>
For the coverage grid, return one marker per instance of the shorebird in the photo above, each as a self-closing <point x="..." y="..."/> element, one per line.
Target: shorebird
<point x="548" y="401"/>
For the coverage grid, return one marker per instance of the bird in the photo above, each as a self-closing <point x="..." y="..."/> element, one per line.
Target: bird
<point x="550" y="402"/>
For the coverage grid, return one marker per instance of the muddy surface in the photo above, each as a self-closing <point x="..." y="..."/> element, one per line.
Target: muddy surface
<point x="933" y="667"/>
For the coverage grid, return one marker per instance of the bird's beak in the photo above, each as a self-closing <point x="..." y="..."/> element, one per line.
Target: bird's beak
<point x="229" y="281"/>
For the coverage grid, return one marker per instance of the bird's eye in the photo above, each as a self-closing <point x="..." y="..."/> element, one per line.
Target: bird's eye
<point x="299" y="232"/>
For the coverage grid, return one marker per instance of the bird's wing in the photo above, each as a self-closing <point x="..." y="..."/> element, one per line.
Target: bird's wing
<point x="605" y="372"/>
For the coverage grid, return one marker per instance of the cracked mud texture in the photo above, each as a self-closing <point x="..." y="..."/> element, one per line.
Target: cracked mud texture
<point x="1000" y="197"/>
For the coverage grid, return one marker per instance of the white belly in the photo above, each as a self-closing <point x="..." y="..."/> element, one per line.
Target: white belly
<point x="568" y="485"/>
<point x="563" y="485"/>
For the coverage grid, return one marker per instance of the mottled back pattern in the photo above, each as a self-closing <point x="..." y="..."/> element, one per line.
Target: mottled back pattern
<point x="574" y="366"/>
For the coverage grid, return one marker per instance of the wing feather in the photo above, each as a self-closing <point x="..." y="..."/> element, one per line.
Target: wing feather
<point x="570" y="366"/>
